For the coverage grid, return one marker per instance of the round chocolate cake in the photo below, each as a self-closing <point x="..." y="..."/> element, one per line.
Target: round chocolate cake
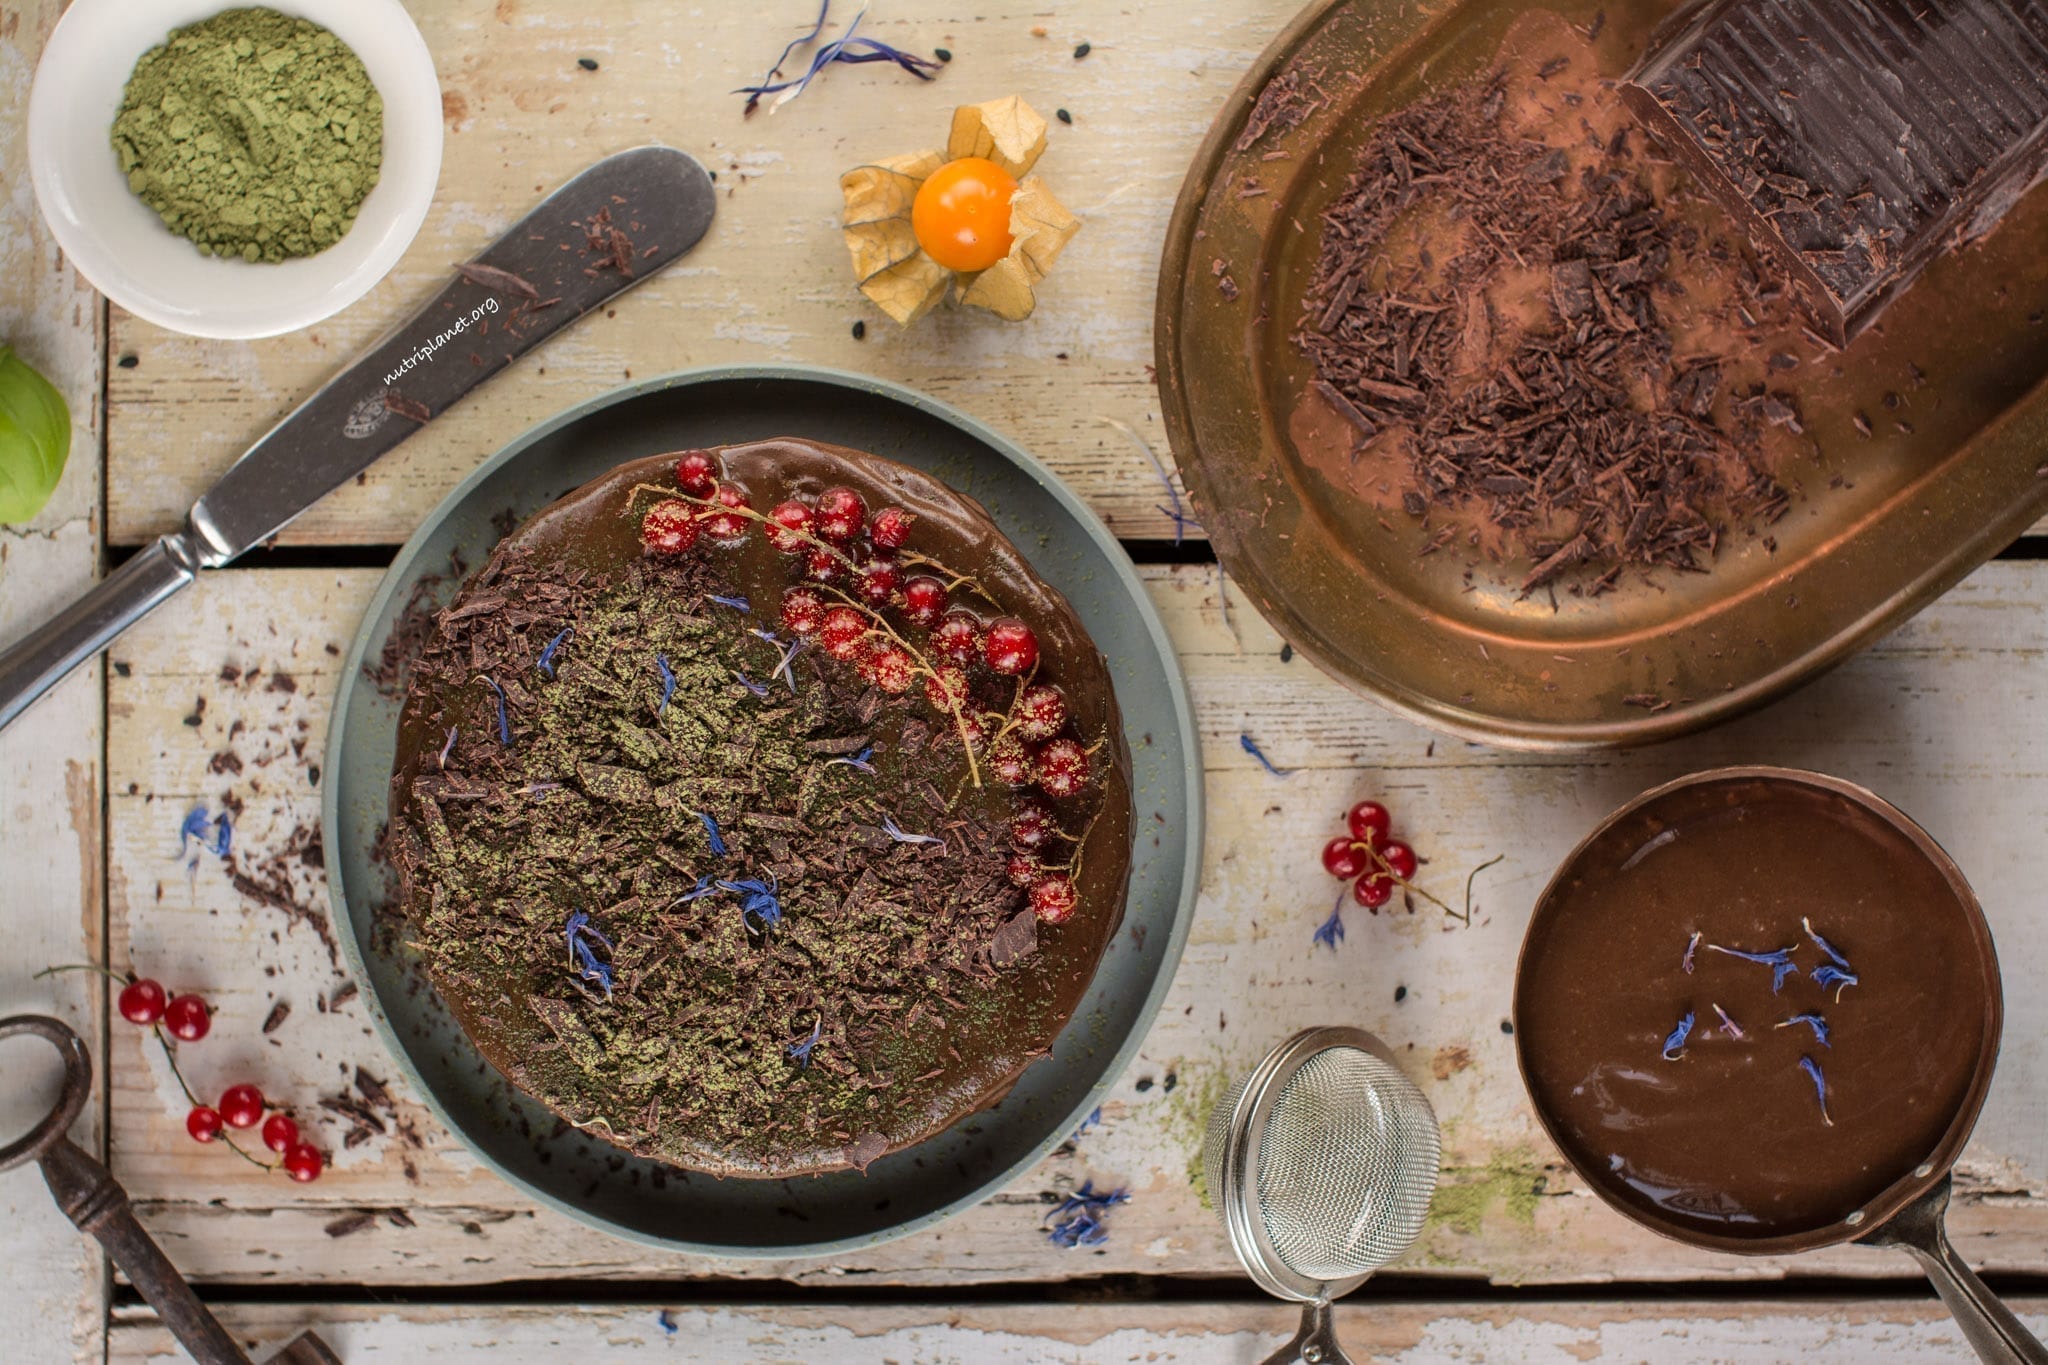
<point x="759" y="810"/>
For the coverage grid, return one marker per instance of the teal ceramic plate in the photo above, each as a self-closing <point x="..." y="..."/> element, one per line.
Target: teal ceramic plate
<point x="842" y="1211"/>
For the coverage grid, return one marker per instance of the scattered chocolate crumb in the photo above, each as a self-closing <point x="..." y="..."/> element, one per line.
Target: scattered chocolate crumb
<point x="409" y="408"/>
<point x="343" y="993"/>
<point x="351" y="1223"/>
<point x="198" y="712"/>
<point x="503" y="281"/>
<point x="279" y="1012"/>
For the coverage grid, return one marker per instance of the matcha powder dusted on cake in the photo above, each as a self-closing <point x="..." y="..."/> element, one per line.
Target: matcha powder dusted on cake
<point x="252" y="133"/>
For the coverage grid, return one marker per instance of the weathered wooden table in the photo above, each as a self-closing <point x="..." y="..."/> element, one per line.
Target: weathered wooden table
<point x="407" y="1250"/>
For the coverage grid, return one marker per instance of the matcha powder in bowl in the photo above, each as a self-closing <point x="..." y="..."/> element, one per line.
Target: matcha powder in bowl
<point x="252" y="133"/>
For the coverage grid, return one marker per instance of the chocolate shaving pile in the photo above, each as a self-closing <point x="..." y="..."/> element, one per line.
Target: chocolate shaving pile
<point x="898" y="955"/>
<point x="1578" y="433"/>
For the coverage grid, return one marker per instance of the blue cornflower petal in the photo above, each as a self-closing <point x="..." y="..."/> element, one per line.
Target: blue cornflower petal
<point x="668" y="682"/>
<point x="711" y="831"/>
<point x="1332" y="932"/>
<point x="738" y="604"/>
<point x="1729" y="1026"/>
<point x="1779" y="960"/>
<point x="1825" y="946"/>
<point x="448" y="746"/>
<point x="890" y="828"/>
<point x="846" y="48"/>
<point x="801" y="1052"/>
<point x="1820" y="1087"/>
<point x="666" y="1322"/>
<point x="1250" y="746"/>
<point x="1812" y="1021"/>
<point x="1827" y="975"/>
<point x="757" y="689"/>
<point x="1692" y="948"/>
<point x="196" y="821"/>
<point x="859" y="762"/>
<point x="504" y="721"/>
<point x="1674" y="1042"/>
<point x="546" y="663"/>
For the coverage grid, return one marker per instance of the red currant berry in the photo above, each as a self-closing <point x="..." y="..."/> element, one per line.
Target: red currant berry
<point x="946" y="688"/>
<point x="879" y="579"/>
<point x="1400" y="860"/>
<point x="697" y="473"/>
<point x="823" y="566"/>
<point x="1011" y="648"/>
<point x="802" y="611"/>
<point x="1053" y="898"/>
<point x="669" y="528"/>
<point x="279" y="1132"/>
<point x="924" y="601"/>
<point x="1062" y="768"/>
<point x="888" y="668"/>
<point x="241" y="1106"/>
<point x="788" y="524"/>
<point x="303" y="1162"/>
<point x="1372" y="891"/>
<point x="1369" y="823"/>
<point x="1033" y="825"/>
<point x="187" y="1018"/>
<point x="891" y="527"/>
<point x="841" y="514"/>
<point x="1010" y="761"/>
<point x="1343" y="858"/>
<point x="958" y="637"/>
<point x="841" y="632"/>
<point x="1024" y="869"/>
<point x="728" y="528"/>
<point x="1041" y="712"/>
<point x="203" y="1123"/>
<point x="141" y="1002"/>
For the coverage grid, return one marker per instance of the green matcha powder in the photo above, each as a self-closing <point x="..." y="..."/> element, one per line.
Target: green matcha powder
<point x="252" y="133"/>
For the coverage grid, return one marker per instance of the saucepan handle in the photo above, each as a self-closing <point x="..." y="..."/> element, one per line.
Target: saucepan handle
<point x="1998" y="1337"/>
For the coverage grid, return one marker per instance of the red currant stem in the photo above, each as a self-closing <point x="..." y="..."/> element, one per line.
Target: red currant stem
<point x="107" y="972"/>
<point x="171" y="1056"/>
<point x="924" y="668"/>
<point x="1498" y="857"/>
<point x="1387" y="871"/>
<point x="1009" y="718"/>
<point x="1072" y="866"/>
<point x="958" y="579"/>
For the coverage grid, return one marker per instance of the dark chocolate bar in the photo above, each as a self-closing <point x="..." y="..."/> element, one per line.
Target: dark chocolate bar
<point x="1856" y="140"/>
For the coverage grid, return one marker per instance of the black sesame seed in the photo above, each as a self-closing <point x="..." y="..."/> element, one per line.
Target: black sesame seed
<point x="1506" y="1027"/>
<point x="1400" y="994"/>
<point x="1144" y="1084"/>
<point x="1082" y="51"/>
<point x="943" y="54"/>
<point x="1172" y="1080"/>
<point x="129" y="362"/>
<point x="587" y="63"/>
<point x="1063" y="116"/>
<point x="1286" y="653"/>
<point x="860" y="329"/>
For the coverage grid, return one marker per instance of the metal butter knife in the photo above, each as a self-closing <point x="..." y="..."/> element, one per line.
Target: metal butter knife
<point x="598" y="235"/>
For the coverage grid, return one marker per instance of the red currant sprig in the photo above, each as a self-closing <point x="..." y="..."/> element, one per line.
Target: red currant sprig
<point x="144" y="1002"/>
<point x="1371" y="859"/>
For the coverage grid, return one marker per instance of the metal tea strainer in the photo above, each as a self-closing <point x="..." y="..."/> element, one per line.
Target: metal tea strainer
<point x="1321" y="1164"/>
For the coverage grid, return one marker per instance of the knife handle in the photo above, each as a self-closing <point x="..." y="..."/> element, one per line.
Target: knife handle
<point x="33" y="664"/>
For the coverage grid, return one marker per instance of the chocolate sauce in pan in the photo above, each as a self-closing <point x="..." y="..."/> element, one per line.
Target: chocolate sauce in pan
<point x="1729" y="1139"/>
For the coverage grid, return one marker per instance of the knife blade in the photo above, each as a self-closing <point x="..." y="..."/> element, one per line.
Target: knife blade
<point x="608" y="229"/>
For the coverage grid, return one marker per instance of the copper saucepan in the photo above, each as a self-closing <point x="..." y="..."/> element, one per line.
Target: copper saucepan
<point x="1907" y="1213"/>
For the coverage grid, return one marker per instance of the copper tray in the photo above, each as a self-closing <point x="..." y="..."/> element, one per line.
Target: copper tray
<point x="1879" y="526"/>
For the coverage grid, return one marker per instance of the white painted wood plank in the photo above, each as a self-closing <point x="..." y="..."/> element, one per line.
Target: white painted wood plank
<point x="1927" y="717"/>
<point x="1868" y="1332"/>
<point x="51" y="1301"/>
<point x="772" y="281"/>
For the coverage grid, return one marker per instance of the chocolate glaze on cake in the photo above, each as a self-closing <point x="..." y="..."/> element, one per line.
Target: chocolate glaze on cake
<point x="891" y="988"/>
<point x="1720" y="1134"/>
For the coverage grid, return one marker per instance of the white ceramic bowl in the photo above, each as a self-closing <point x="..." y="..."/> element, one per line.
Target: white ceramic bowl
<point x="119" y="243"/>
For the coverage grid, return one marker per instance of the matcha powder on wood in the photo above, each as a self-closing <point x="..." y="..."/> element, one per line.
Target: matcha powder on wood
<point x="253" y="133"/>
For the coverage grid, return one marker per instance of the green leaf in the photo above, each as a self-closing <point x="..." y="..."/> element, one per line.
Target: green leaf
<point x="35" y="438"/>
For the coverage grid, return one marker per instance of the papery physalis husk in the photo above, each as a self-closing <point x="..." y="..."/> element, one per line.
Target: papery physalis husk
<point x="896" y="273"/>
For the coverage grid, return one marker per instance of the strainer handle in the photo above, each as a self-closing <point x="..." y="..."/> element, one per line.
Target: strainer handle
<point x="1998" y="1337"/>
<point x="1316" y="1342"/>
